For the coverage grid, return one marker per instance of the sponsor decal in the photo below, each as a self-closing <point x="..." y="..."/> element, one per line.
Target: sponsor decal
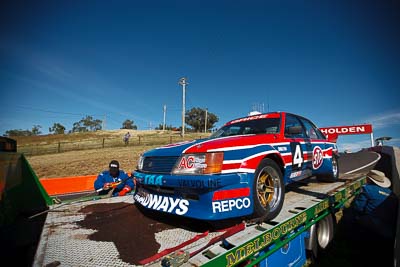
<point x="249" y="118"/>
<point x="231" y="204"/>
<point x="210" y="183"/>
<point x="189" y="162"/>
<point x="162" y="203"/>
<point x="295" y="174"/>
<point x="186" y="162"/>
<point x="150" y="179"/>
<point x="318" y="158"/>
<point x="231" y="193"/>
<point x="282" y="148"/>
<point x="227" y="200"/>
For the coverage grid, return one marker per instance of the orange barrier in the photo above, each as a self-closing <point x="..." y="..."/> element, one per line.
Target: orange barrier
<point x="68" y="185"/>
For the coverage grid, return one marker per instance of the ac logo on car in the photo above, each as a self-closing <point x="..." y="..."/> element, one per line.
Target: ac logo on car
<point x="318" y="157"/>
<point x="186" y="162"/>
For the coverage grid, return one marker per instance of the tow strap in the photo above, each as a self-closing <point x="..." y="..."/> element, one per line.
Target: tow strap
<point x="227" y="232"/>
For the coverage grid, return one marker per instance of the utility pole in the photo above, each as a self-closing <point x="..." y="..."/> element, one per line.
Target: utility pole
<point x="183" y="82"/>
<point x="104" y="123"/>
<point x="165" y="111"/>
<point x="205" y="122"/>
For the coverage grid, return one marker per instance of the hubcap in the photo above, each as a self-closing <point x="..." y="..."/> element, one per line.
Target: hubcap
<point x="334" y="167"/>
<point x="268" y="188"/>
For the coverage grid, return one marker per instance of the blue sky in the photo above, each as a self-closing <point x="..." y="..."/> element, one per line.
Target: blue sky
<point x="335" y="62"/>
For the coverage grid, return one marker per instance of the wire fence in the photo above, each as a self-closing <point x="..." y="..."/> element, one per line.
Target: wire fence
<point x="97" y="143"/>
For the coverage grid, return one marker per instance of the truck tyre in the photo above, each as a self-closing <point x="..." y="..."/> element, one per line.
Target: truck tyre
<point x="268" y="190"/>
<point x="334" y="175"/>
<point x="321" y="234"/>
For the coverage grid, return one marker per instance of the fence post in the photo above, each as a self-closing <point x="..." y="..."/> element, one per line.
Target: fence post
<point x="59" y="147"/>
<point x="139" y="139"/>
<point x="103" y="141"/>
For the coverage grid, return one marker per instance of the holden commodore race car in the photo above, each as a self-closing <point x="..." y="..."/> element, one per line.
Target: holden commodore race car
<point x="239" y="171"/>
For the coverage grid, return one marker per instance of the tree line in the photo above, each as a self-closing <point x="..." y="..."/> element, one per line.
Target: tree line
<point x="194" y="118"/>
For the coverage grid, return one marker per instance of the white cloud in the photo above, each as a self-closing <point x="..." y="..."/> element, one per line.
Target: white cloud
<point x="355" y="146"/>
<point x="385" y="120"/>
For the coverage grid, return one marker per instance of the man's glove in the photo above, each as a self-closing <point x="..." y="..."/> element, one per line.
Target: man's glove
<point x="107" y="186"/>
<point x="124" y="190"/>
<point x="110" y="185"/>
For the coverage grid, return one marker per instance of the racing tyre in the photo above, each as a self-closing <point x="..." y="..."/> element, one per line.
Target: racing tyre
<point x="321" y="235"/>
<point x="334" y="175"/>
<point x="268" y="190"/>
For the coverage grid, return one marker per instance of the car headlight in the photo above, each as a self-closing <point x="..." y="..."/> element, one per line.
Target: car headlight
<point x="199" y="163"/>
<point x="140" y="163"/>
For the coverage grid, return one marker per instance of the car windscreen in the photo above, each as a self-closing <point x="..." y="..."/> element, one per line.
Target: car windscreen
<point x="260" y="126"/>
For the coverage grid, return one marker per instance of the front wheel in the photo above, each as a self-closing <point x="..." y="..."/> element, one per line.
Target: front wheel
<point x="334" y="175"/>
<point x="268" y="190"/>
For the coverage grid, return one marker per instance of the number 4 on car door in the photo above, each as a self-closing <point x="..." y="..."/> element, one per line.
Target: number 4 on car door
<point x="297" y="156"/>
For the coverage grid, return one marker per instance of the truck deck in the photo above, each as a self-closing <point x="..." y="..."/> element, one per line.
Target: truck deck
<point x="70" y="236"/>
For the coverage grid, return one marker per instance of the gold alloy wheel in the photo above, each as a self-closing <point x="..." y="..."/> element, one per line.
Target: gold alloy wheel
<point x="268" y="187"/>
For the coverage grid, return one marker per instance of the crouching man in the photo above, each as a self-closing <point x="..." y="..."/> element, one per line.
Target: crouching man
<point x="114" y="179"/>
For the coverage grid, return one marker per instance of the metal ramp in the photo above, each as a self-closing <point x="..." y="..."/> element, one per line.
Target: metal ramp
<point x="64" y="243"/>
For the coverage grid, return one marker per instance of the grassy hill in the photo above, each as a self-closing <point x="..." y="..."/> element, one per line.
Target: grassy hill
<point x="89" y="153"/>
<point x="49" y="144"/>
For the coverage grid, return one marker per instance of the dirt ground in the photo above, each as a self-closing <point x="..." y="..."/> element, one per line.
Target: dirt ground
<point x="85" y="162"/>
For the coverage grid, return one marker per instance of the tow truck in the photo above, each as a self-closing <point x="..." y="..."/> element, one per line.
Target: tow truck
<point x="305" y="224"/>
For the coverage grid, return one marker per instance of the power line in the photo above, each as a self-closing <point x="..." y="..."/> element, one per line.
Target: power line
<point x="58" y="112"/>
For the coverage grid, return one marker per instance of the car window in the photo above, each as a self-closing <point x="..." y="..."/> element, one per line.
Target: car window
<point x="311" y="130"/>
<point x="259" y="126"/>
<point x="292" y="121"/>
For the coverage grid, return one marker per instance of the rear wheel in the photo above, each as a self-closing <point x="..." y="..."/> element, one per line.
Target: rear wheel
<point x="321" y="235"/>
<point x="334" y="175"/>
<point x="268" y="190"/>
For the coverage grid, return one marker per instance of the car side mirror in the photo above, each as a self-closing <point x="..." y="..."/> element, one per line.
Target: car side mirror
<point x="293" y="130"/>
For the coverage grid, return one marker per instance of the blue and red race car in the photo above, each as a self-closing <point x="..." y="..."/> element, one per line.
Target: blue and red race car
<point x="239" y="171"/>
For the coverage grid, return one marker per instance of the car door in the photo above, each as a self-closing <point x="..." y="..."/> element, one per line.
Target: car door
<point x="295" y="135"/>
<point x="316" y="145"/>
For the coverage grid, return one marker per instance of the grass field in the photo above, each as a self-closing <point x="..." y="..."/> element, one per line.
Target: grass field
<point x="92" y="161"/>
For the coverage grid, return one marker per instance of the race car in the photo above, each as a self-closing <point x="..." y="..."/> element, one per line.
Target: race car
<point x="239" y="171"/>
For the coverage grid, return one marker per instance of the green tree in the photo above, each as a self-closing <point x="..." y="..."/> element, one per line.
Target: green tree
<point x="57" y="128"/>
<point x="128" y="124"/>
<point x="167" y="127"/>
<point x="18" y="132"/>
<point x="87" y="124"/>
<point x="196" y="119"/>
<point x="36" y="130"/>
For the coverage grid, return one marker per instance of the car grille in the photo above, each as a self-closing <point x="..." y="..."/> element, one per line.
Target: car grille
<point x="159" y="164"/>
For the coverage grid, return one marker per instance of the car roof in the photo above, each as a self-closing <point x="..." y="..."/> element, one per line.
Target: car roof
<point x="256" y="117"/>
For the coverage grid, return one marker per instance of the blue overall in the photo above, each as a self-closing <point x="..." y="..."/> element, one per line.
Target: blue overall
<point x="376" y="209"/>
<point x="105" y="177"/>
